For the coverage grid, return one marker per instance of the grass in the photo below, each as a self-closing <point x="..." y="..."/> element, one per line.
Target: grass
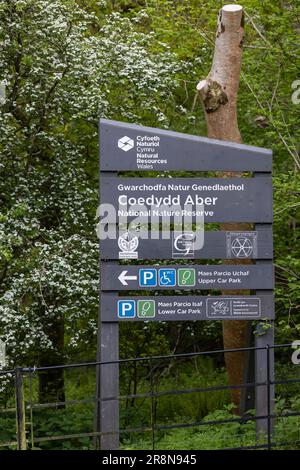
<point x="223" y="436"/>
<point x="165" y="409"/>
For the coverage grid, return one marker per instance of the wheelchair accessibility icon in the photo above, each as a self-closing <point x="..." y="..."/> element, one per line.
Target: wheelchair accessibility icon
<point x="167" y="277"/>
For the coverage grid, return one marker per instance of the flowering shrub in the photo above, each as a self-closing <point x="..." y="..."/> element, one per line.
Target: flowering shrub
<point x="62" y="68"/>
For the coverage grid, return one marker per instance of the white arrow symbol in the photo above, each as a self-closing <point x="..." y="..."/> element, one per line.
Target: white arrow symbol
<point x="123" y="278"/>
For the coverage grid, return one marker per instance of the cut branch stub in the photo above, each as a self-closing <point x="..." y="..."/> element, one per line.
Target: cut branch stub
<point x="212" y="95"/>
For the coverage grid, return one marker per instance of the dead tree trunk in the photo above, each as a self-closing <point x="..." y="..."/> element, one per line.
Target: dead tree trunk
<point x="218" y="93"/>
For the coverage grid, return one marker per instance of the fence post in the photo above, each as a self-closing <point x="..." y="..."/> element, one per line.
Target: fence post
<point x="270" y="410"/>
<point x="265" y="394"/>
<point x="152" y="406"/>
<point x="20" y="410"/>
<point x="109" y="386"/>
<point x="247" y="401"/>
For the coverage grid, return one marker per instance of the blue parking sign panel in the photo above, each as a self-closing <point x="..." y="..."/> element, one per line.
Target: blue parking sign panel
<point x="167" y="277"/>
<point x="148" y="277"/>
<point x="126" y="308"/>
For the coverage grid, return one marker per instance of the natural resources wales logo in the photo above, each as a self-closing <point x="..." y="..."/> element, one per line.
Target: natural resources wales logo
<point x="125" y="143"/>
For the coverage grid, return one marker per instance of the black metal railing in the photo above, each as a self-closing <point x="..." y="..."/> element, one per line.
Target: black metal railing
<point x="281" y="423"/>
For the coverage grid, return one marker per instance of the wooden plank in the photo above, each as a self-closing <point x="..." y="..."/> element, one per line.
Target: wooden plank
<point x="186" y="277"/>
<point x="126" y="146"/>
<point x="107" y="378"/>
<point x="264" y="363"/>
<point x="183" y="308"/>
<point x="202" y="199"/>
<point x="169" y="245"/>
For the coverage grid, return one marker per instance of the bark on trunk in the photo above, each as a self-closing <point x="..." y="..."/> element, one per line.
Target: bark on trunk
<point x="218" y="93"/>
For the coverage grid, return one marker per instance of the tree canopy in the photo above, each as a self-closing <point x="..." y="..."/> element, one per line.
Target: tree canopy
<point x="65" y="63"/>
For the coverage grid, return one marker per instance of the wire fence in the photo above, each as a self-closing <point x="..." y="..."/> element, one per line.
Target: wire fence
<point x="180" y="401"/>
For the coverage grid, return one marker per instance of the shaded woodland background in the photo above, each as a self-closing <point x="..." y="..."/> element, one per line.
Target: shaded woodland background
<point x="64" y="63"/>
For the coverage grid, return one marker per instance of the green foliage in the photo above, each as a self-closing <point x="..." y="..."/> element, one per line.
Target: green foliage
<point x="63" y="64"/>
<point x="287" y="253"/>
<point x="126" y="60"/>
<point x="208" y="436"/>
<point x="75" y="420"/>
<point x="200" y="373"/>
<point x="8" y="430"/>
<point x="166" y="378"/>
<point x="51" y="428"/>
<point x="63" y="67"/>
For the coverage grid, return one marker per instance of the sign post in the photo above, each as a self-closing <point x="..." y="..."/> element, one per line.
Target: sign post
<point x="132" y="212"/>
<point x="107" y="379"/>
